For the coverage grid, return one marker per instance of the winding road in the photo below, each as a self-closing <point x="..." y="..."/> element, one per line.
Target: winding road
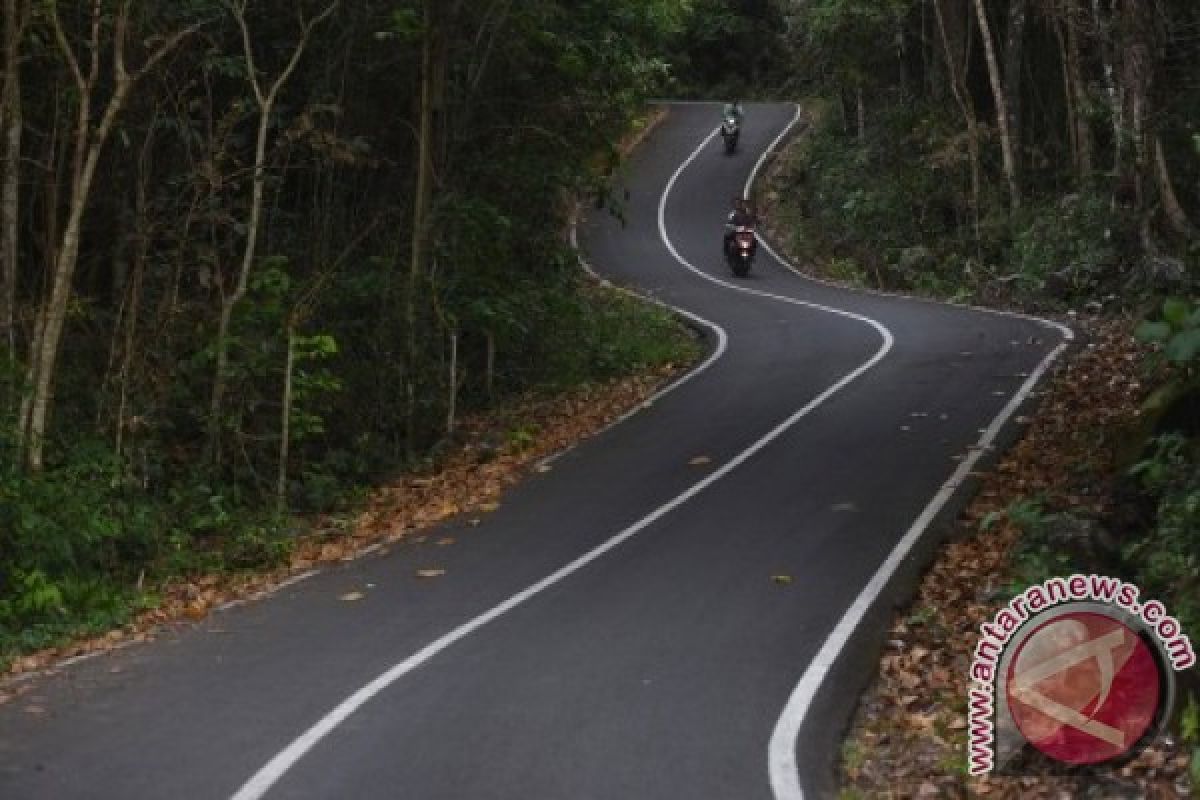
<point x="619" y="629"/>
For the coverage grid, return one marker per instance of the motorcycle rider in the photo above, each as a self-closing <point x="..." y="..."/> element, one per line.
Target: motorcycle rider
<point x="734" y="110"/>
<point x="742" y="216"/>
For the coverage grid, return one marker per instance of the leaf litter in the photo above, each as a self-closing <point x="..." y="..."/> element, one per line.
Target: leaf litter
<point x="909" y="736"/>
<point x="470" y="478"/>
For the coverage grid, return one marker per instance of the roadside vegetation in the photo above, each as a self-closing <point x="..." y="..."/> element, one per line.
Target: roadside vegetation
<point x="257" y="257"/>
<point x="1044" y="157"/>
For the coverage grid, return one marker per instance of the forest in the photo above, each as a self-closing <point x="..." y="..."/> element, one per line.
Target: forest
<point x="259" y="255"/>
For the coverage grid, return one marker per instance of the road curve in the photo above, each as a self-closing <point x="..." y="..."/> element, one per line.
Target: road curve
<point x="616" y="628"/>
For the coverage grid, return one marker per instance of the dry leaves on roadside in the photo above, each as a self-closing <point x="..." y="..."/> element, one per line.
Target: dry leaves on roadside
<point x="470" y="478"/>
<point x="911" y="722"/>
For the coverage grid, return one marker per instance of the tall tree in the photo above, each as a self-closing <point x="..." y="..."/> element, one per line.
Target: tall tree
<point x="1014" y="64"/>
<point x="89" y="138"/>
<point x="12" y="124"/>
<point x="954" y="27"/>
<point x="265" y="97"/>
<point x="1000" y="96"/>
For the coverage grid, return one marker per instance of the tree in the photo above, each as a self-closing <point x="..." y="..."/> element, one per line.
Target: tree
<point x="89" y="138"/>
<point x="265" y="99"/>
<point x="12" y="123"/>
<point x="1000" y="96"/>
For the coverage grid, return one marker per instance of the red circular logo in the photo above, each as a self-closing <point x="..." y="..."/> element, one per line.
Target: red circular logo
<point x="1083" y="688"/>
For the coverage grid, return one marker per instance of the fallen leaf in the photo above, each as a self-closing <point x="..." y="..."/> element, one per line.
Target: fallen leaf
<point x="351" y="597"/>
<point x="785" y="579"/>
<point x="430" y="573"/>
<point x="445" y="541"/>
<point x="700" y="461"/>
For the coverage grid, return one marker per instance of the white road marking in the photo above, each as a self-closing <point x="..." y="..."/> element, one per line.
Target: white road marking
<point x="718" y="351"/>
<point x="280" y="764"/>
<point x="270" y="774"/>
<point x="1066" y="332"/>
<point x="781" y="752"/>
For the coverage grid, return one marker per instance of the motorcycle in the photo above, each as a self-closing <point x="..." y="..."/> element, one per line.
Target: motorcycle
<point x="731" y="129"/>
<point x="741" y="250"/>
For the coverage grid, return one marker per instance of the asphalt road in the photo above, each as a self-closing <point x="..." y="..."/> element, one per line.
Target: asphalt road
<point x="616" y="629"/>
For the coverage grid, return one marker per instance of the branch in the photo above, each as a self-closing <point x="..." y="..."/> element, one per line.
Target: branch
<point x="239" y="14"/>
<point x="265" y="102"/>
<point x="307" y="29"/>
<point x="119" y="31"/>
<point x="65" y="46"/>
<point x="94" y="72"/>
<point x="164" y="49"/>
<point x="306" y="302"/>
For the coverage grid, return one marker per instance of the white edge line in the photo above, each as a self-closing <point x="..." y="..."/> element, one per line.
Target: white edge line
<point x="266" y="777"/>
<point x="784" y="771"/>
<point x="1066" y="331"/>
<point x="781" y="751"/>
<point x="718" y="351"/>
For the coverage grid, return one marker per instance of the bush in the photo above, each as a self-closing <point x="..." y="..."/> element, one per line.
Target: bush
<point x="82" y="550"/>
<point x="1167" y="558"/>
<point x="1072" y="246"/>
<point x="876" y="203"/>
<point x="613" y="335"/>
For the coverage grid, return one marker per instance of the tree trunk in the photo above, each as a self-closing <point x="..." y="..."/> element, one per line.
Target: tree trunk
<point x="1001" y="99"/>
<point x="54" y="314"/>
<point x="1115" y="93"/>
<point x="422" y="203"/>
<point x="266" y="105"/>
<point x="285" y="421"/>
<point x="1081" y="128"/>
<point x="12" y="124"/>
<point x="1014" y="62"/>
<point x="1166" y="190"/>
<point x="490" y="367"/>
<point x="89" y="144"/>
<point x="1137" y="78"/>
<point x="230" y="303"/>
<point x="954" y="45"/>
<point x="860" y="106"/>
<point x="452" y="396"/>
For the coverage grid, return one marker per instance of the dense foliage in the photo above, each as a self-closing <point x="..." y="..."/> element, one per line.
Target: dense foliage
<point x="256" y="252"/>
<point x="1041" y="151"/>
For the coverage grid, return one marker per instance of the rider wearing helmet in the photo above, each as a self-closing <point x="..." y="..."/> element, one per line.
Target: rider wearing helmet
<point x="742" y="216"/>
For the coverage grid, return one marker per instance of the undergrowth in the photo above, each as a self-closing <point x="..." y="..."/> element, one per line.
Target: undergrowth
<point x="84" y="547"/>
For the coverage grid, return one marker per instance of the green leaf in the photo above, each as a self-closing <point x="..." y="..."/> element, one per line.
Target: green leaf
<point x="407" y="23"/>
<point x="1183" y="348"/>
<point x="990" y="519"/>
<point x="1153" y="332"/>
<point x="1176" y="311"/>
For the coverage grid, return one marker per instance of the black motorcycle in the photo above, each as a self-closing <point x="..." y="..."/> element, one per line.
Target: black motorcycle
<point x="740" y="251"/>
<point x="731" y="130"/>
